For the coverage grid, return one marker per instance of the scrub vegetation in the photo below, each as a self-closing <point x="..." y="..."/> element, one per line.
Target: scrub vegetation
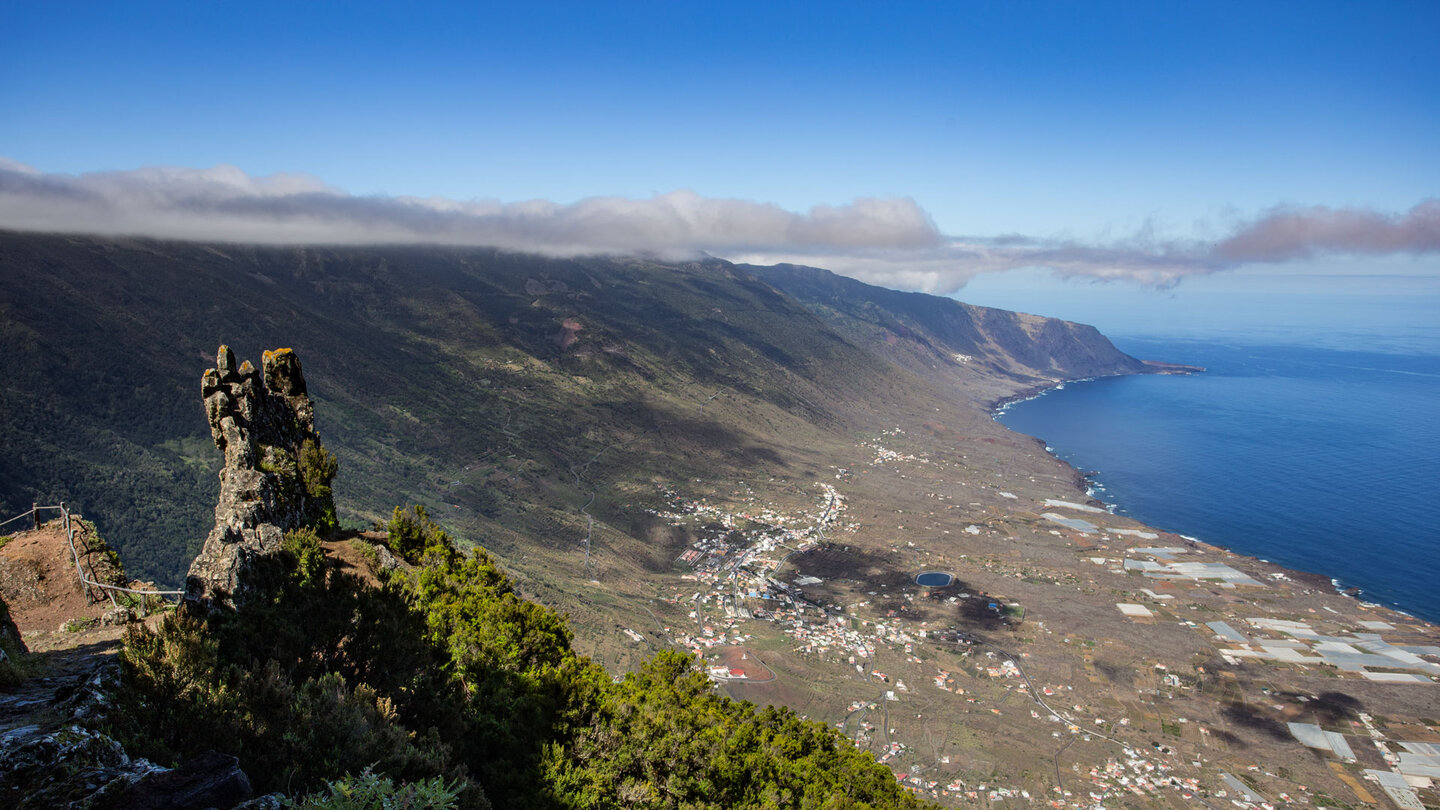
<point x="443" y="684"/>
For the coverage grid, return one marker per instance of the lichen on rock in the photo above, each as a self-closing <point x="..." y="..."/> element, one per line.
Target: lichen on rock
<point x="72" y="767"/>
<point x="277" y="473"/>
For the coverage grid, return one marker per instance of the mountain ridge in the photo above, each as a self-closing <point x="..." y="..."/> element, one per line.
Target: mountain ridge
<point x="1008" y="342"/>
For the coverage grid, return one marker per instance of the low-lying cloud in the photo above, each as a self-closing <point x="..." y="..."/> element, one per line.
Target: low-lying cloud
<point x="1297" y="233"/>
<point x="224" y="203"/>
<point x="886" y="241"/>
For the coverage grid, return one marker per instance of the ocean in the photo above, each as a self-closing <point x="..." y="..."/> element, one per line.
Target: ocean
<point x="1324" y="460"/>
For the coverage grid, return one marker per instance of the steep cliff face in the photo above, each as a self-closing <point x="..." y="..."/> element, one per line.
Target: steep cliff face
<point x="1024" y="347"/>
<point x="276" y="475"/>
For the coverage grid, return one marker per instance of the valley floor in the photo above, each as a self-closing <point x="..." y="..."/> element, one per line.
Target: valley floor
<point x="1077" y="658"/>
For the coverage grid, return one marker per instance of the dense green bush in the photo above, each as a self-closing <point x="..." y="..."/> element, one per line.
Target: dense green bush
<point x="314" y="677"/>
<point x="663" y="738"/>
<point x="317" y="469"/>
<point x="524" y="686"/>
<point x="412" y="535"/>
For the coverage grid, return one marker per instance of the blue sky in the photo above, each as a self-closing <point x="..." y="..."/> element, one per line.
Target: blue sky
<point x="1099" y="124"/>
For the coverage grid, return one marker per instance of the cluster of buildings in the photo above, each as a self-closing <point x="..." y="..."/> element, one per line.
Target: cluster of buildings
<point x="884" y="455"/>
<point x="709" y="636"/>
<point x="981" y="792"/>
<point x="1132" y="774"/>
<point x="734" y="559"/>
<point x="1004" y="668"/>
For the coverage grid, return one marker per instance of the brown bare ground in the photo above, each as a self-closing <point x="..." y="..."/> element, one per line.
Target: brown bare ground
<point x="39" y="583"/>
<point x="345" y="556"/>
<point x="747" y="660"/>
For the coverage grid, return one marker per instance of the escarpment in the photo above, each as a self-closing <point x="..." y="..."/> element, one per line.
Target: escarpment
<point x="277" y="473"/>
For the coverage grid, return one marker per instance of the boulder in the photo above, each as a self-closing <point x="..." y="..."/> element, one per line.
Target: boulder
<point x="270" y="801"/>
<point x="118" y="616"/>
<point x="388" y="560"/>
<point x="211" y="779"/>
<point x="87" y="698"/>
<point x="81" y="768"/>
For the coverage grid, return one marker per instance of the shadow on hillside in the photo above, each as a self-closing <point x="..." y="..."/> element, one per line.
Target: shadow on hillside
<point x="642" y="438"/>
<point x="1116" y="673"/>
<point x="976" y="612"/>
<point x="848" y="573"/>
<point x="1247" y="716"/>
<point x="1332" y="708"/>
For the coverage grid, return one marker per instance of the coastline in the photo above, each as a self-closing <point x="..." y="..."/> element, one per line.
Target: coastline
<point x="996" y="406"/>
<point x="1354" y="594"/>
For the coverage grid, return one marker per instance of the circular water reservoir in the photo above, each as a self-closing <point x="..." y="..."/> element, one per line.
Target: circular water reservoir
<point x="934" y="579"/>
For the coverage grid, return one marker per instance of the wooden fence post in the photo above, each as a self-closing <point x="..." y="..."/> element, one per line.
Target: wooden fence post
<point x="35" y="513"/>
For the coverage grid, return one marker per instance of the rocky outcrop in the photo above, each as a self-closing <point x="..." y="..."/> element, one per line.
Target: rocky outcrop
<point x="72" y="767"/>
<point x="82" y="768"/>
<point x="212" y="779"/>
<point x="53" y="755"/>
<point x="276" y="475"/>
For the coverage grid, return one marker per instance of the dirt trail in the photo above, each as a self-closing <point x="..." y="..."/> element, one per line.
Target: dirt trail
<point x="39" y="585"/>
<point x="37" y="704"/>
<point x="345" y="556"/>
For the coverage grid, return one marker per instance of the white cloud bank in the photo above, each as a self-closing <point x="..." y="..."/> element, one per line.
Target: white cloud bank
<point x="885" y="241"/>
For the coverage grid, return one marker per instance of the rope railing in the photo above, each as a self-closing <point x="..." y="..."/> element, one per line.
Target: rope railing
<point x="29" y="513"/>
<point x="34" y="514"/>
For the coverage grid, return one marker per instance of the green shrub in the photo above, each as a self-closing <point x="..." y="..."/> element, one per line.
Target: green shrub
<point x="176" y="696"/>
<point x="369" y="552"/>
<point x="317" y="469"/>
<point x="664" y="738"/>
<point x="416" y="538"/>
<point x="309" y="558"/>
<point x="370" y="791"/>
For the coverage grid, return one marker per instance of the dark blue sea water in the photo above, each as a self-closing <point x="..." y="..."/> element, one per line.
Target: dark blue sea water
<point x="1318" y="459"/>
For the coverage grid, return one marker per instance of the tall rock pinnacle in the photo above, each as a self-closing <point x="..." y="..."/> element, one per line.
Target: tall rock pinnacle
<point x="276" y="475"/>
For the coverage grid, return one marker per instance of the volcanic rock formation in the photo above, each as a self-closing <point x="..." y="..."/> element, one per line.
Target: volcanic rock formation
<point x="276" y="475"/>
